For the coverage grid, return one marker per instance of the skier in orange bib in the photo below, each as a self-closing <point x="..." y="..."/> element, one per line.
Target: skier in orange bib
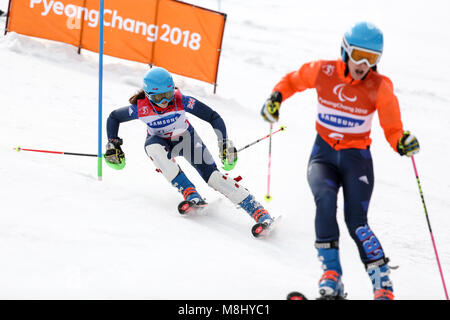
<point x="349" y="92"/>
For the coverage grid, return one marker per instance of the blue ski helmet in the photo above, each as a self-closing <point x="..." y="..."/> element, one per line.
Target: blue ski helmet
<point x="363" y="35"/>
<point x="158" y="80"/>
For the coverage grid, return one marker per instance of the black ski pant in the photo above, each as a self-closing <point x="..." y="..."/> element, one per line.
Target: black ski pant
<point x="351" y="169"/>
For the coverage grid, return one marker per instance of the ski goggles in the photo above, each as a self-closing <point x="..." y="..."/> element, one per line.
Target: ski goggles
<point x="159" y="98"/>
<point x="360" y="55"/>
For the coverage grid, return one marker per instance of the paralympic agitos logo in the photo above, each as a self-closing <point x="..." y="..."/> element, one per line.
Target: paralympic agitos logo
<point x="337" y="90"/>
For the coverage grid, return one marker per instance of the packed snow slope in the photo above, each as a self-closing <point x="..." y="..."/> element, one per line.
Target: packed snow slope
<point x="66" y="235"/>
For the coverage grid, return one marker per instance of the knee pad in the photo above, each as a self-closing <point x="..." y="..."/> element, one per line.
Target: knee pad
<point x="158" y="154"/>
<point x="228" y="187"/>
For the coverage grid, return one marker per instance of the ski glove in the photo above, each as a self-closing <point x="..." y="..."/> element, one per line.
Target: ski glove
<point x="408" y="144"/>
<point x="114" y="153"/>
<point x="271" y="108"/>
<point x="227" y="154"/>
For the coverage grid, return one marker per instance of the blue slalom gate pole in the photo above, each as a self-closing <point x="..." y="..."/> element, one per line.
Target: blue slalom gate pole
<point x="100" y="90"/>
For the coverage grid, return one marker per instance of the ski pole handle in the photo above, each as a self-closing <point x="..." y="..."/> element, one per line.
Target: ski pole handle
<point x="282" y="128"/>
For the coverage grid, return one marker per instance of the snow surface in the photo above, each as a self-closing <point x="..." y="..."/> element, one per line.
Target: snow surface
<point x="65" y="235"/>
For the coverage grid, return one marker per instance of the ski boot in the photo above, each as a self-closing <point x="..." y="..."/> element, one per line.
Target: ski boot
<point x="383" y="294"/>
<point x="259" y="214"/>
<point x="191" y="195"/>
<point x="330" y="284"/>
<point x="379" y="275"/>
<point x="192" y="199"/>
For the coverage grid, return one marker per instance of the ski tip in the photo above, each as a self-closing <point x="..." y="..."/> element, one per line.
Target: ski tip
<point x="260" y="230"/>
<point x="257" y="230"/>
<point x="295" y="295"/>
<point x="185" y="207"/>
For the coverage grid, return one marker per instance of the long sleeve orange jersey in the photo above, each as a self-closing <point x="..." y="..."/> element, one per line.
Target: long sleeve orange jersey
<point x="345" y="106"/>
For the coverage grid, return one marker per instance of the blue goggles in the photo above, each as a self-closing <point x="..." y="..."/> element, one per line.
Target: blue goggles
<point x="159" y="98"/>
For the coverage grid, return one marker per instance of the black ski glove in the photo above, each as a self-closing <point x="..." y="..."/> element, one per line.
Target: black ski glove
<point x="271" y="108"/>
<point x="408" y="145"/>
<point x="227" y="154"/>
<point x="114" y="153"/>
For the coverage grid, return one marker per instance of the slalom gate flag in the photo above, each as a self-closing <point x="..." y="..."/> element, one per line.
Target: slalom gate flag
<point x="183" y="38"/>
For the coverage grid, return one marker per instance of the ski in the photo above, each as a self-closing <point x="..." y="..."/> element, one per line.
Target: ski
<point x="263" y="229"/>
<point x="186" y="206"/>
<point x="295" y="295"/>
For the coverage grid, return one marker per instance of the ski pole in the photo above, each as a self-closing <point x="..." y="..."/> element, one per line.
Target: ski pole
<point x="429" y="227"/>
<point x="268" y="197"/>
<point x="282" y="128"/>
<point x="230" y="166"/>
<point x="57" y="152"/>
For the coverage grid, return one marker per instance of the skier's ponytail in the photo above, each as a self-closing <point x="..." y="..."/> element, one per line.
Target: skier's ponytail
<point x="137" y="96"/>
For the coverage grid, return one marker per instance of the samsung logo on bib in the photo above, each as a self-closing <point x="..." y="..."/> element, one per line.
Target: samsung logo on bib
<point x="164" y="121"/>
<point x="339" y="121"/>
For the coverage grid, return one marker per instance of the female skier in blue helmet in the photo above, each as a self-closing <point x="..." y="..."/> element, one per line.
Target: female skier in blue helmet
<point x="163" y="108"/>
<point x="349" y="92"/>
